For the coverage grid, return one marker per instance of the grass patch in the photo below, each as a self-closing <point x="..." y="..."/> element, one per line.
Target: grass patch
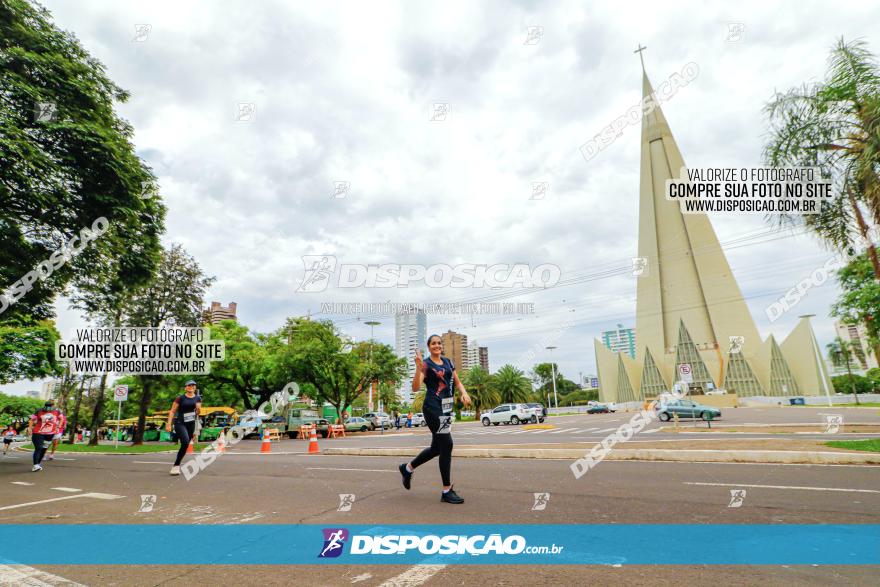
<point x="871" y="445"/>
<point x="123" y="447"/>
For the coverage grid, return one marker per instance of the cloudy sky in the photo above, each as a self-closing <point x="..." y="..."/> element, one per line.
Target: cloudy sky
<point x="345" y="92"/>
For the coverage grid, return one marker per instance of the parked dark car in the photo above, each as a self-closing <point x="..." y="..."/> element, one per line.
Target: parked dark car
<point x="598" y="409"/>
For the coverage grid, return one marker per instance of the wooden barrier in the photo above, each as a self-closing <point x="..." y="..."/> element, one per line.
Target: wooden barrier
<point x="337" y="430"/>
<point x="305" y="431"/>
<point x="274" y="434"/>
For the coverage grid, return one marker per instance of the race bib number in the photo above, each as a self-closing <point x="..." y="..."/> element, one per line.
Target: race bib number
<point x="189" y="417"/>
<point x="446" y="405"/>
<point x="445" y="425"/>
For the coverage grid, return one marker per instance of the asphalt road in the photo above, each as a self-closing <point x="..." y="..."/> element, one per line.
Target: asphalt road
<point x="594" y="427"/>
<point x="249" y="488"/>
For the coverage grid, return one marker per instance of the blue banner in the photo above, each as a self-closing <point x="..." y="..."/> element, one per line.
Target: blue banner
<point x="355" y="544"/>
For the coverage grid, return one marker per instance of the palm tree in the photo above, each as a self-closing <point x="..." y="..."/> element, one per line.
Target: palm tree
<point x="841" y="353"/>
<point x="483" y="395"/>
<point x="511" y="385"/>
<point x="835" y="126"/>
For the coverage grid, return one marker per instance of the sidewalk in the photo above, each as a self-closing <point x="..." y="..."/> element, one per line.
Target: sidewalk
<point x="735" y="451"/>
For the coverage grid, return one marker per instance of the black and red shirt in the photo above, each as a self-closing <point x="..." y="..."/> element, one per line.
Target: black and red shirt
<point x="439" y="383"/>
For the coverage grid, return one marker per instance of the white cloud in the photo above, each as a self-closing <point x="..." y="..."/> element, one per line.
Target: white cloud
<point x="343" y="92"/>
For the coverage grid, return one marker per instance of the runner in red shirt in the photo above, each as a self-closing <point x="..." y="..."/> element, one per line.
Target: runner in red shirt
<point x="57" y="437"/>
<point x="43" y="425"/>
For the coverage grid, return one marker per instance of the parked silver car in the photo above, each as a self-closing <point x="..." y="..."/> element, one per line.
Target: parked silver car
<point x="377" y="419"/>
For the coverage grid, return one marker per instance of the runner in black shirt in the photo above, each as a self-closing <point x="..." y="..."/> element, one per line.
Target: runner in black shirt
<point x="439" y="376"/>
<point x="187" y="407"/>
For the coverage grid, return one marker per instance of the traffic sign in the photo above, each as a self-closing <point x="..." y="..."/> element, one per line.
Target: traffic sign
<point x="594" y="382"/>
<point x="120" y="393"/>
<point x="685" y="373"/>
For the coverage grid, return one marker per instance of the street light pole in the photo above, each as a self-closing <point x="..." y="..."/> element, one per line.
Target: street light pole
<point x="371" y="324"/>
<point x="553" y="372"/>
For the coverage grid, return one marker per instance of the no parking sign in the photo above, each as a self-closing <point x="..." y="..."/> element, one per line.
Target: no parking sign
<point x="120" y="393"/>
<point x="685" y="374"/>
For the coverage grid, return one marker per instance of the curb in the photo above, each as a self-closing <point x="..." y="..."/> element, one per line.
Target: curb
<point x="640" y="454"/>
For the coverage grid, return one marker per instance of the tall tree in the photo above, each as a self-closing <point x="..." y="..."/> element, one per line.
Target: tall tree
<point x="511" y="385"/>
<point x="859" y="302"/>
<point x="176" y="291"/>
<point x="835" y="126"/>
<point x="841" y="354"/>
<point x="248" y="365"/>
<point x="66" y="159"/>
<point x="339" y="371"/>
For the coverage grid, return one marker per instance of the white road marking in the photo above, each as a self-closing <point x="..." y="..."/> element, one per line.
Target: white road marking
<point x="569" y="430"/>
<point x="31" y="577"/>
<point x="92" y="495"/>
<point x="67" y="489"/>
<point x="153" y="462"/>
<point x="786" y="487"/>
<point x="413" y="576"/>
<point x="343" y="469"/>
<point x="20" y="483"/>
<point x="62" y="459"/>
<point x="606" y="430"/>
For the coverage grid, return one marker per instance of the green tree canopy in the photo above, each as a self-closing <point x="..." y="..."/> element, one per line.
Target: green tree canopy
<point x="511" y="385"/>
<point x="65" y="164"/>
<point x="835" y="125"/>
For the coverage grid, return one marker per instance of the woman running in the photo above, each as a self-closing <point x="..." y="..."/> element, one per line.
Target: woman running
<point x="187" y="408"/>
<point x="8" y="437"/>
<point x="439" y="376"/>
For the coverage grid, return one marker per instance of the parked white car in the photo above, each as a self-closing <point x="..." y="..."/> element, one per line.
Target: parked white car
<point x="508" y="414"/>
<point x="418" y="419"/>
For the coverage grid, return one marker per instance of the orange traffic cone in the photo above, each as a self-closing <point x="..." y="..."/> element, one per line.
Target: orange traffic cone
<point x="189" y="448"/>
<point x="267" y="444"/>
<point x="313" y="441"/>
<point x="221" y="443"/>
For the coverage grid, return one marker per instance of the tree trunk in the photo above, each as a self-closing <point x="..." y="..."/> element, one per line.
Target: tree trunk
<point x="146" y="400"/>
<point x="96" y="413"/>
<point x="852" y="380"/>
<point x="75" y="414"/>
<point x="863" y="229"/>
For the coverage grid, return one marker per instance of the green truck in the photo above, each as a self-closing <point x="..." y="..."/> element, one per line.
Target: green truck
<point x="288" y="422"/>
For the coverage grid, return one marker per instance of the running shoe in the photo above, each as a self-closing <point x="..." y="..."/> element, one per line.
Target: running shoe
<point x="36" y="468"/>
<point x="50" y="458"/>
<point x="451" y="497"/>
<point x="175" y="470"/>
<point x="407" y="476"/>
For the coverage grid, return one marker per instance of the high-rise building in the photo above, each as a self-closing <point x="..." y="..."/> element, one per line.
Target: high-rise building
<point x="692" y="322"/>
<point x="49" y="388"/>
<point x="484" y="358"/>
<point x="410" y="333"/>
<point x="621" y="340"/>
<point x="473" y="354"/>
<point x="455" y="349"/>
<point x="855" y="334"/>
<point x="217" y="313"/>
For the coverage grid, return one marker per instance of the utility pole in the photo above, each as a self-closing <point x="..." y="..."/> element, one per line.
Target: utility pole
<point x="553" y="371"/>
<point x="371" y="324"/>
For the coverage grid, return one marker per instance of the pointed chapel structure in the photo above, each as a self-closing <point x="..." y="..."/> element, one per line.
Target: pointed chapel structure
<point x="689" y="304"/>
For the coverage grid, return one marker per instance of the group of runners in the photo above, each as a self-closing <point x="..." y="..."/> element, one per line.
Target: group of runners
<point x="45" y="429"/>
<point x="436" y="372"/>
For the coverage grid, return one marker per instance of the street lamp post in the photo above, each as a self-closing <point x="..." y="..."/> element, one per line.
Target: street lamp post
<point x="553" y="372"/>
<point x="371" y="324"/>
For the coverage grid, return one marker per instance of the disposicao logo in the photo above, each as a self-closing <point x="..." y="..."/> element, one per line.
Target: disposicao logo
<point x="334" y="542"/>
